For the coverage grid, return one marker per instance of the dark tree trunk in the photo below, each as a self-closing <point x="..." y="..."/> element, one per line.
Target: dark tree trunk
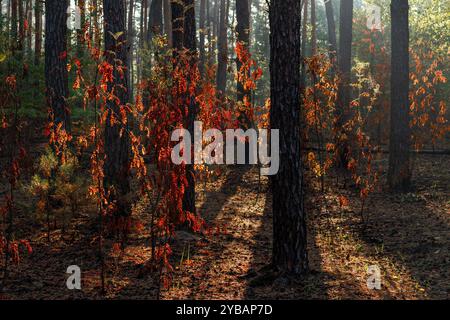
<point x="29" y="17"/>
<point x="313" y="28"/>
<point x="14" y="25"/>
<point x="177" y="25"/>
<point x="289" y="221"/>
<point x="332" y="43"/>
<point x="80" y="33"/>
<point x="155" y="21"/>
<point x="21" y="26"/>
<point x="344" y="90"/>
<point x="38" y="31"/>
<point x="168" y="22"/>
<point x="130" y="29"/>
<point x="243" y="36"/>
<point x="303" y="46"/>
<point x="189" y="42"/>
<point x="202" y="32"/>
<point x="117" y="146"/>
<point x="56" y="79"/>
<point x="183" y="36"/>
<point x="399" y="174"/>
<point x="222" y="54"/>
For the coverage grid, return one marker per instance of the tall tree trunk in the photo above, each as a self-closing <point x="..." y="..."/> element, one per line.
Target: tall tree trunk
<point x="243" y="36"/>
<point x="21" y="25"/>
<point x="14" y="29"/>
<point x="313" y="28"/>
<point x="189" y="42"/>
<point x="332" y="43"/>
<point x="202" y="32"/>
<point x="168" y="22"/>
<point x="29" y="18"/>
<point x="399" y="173"/>
<point x="80" y="33"/>
<point x="344" y="90"/>
<point x="56" y="79"/>
<point x="222" y="54"/>
<point x="155" y="21"/>
<point x="303" y="47"/>
<point x="289" y="222"/>
<point x="130" y="29"/>
<point x="117" y="145"/>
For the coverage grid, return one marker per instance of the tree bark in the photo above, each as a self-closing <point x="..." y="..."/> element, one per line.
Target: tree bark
<point x="189" y="41"/>
<point x="168" y="22"/>
<point x="38" y="31"/>
<point x="56" y="79"/>
<point x="222" y="54"/>
<point x="303" y="46"/>
<point x="332" y="43"/>
<point x="289" y="222"/>
<point x="155" y="21"/>
<point x="14" y="29"/>
<point x="202" y="32"/>
<point x="117" y="145"/>
<point x="344" y="90"/>
<point x="243" y="36"/>
<point x="399" y="173"/>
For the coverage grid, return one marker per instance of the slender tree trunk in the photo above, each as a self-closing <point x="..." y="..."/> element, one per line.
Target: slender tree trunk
<point x="303" y="47"/>
<point x="332" y="43"/>
<point x="189" y="41"/>
<point x="80" y="33"/>
<point x="289" y="222"/>
<point x="344" y="90"/>
<point x="14" y="29"/>
<point x="21" y="25"/>
<point x="117" y="145"/>
<point x="56" y="79"/>
<point x="313" y="28"/>
<point x="222" y="54"/>
<point x="243" y="36"/>
<point x="202" y="32"/>
<point x="130" y="29"/>
<point x="168" y="22"/>
<point x="399" y="173"/>
<point x="155" y="21"/>
<point x="28" y="31"/>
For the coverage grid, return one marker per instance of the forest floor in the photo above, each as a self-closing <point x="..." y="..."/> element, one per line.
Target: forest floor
<point x="407" y="236"/>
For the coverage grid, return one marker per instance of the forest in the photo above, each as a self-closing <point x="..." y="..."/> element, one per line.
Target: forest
<point x="224" y="149"/>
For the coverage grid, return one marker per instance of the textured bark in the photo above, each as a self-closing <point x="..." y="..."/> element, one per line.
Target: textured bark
<point x="168" y="22"/>
<point x="332" y="43"/>
<point x="117" y="146"/>
<point x="222" y="54"/>
<point x="183" y="36"/>
<point x="399" y="173"/>
<point x="38" y="31"/>
<point x="14" y="29"/>
<point x="80" y="33"/>
<point x="130" y="29"/>
<point x="243" y="36"/>
<point x="29" y="15"/>
<point x="155" y="21"/>
<point x="303" y="47"/>
<point x="177" y="25"/>
<point x="289" y="221"/>
<point x="313" y="28"/>
<point x="21" y="25"/>
<point x="189" y="41"/>
<point x="56" y="79"/>
<point x="202" y="32"/>
<point x="345" y="65"/>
